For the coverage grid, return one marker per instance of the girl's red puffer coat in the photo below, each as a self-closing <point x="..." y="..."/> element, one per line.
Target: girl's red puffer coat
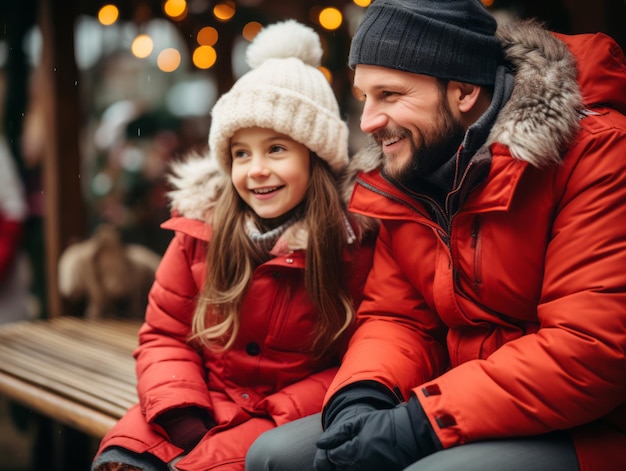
<point x="266" y="379"/>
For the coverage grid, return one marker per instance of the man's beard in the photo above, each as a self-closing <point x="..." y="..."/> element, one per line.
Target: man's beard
<point x="438" y="144"/>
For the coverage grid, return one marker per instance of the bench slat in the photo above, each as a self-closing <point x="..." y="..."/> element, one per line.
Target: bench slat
<point x="68" y="379"/>
<point x="120" y="336"/>
<point x="79" y="372"/>
<point x="73" y="351"/>
<point x="82" y="418"/>
<point x="45" y="383"/>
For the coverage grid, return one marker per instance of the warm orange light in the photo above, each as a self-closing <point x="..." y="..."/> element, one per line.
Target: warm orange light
<point x="142" y="46"/>
<point x="168" y="60"/>
<point x="357" y="94"/>
<point x="251" y="30"/>
<point x="204" y="57"/>
<point x="330" y="18"/>
<point x="327" y="73"/>
<point x="175" y="8"/>
<point x="108" y="15"/>
<point x="224" y="11"/>
<point x="487" y="3"/>
<point x="207" y="36"/>
<point x="362" y="3"/>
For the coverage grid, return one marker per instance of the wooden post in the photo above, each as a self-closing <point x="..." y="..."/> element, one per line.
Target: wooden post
<point x="64" y="218"/>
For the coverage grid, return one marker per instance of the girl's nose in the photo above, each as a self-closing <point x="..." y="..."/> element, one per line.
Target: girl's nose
<point x="258" y="167"/>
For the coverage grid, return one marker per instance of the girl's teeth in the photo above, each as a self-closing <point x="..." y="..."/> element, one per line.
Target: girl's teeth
<point x="265" y="190"/>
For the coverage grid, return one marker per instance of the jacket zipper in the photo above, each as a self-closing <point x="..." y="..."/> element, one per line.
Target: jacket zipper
<point x="390" y="196"/>
<point x="429" y="202"/>
<point x="476" y="244"/>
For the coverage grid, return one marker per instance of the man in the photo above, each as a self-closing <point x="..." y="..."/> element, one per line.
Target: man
<point x="493" y="332"/>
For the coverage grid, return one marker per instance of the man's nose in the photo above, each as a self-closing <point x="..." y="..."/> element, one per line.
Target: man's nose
<point x="372" y="118"/>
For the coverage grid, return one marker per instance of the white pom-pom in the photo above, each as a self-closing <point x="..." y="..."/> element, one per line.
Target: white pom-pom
<point x="285" y="39"/>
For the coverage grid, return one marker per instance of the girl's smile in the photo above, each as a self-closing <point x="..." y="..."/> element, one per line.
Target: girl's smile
<point x="270" y="171"/>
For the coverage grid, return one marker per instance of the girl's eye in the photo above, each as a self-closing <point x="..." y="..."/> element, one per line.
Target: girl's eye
<point x="238" y="154"/>
<point x="276" y="148"/>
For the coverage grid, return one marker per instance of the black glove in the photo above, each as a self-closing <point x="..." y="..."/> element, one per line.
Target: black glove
<point x="185" y="426"/>
<point x="374" y="440"/>
<point x="364" y="393"/>
<point x="359" y="398"/>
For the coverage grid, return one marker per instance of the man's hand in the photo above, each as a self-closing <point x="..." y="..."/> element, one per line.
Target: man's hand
<point x="373" y="440"/>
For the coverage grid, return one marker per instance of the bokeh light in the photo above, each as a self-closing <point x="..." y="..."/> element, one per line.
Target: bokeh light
<point x="251" y="29"/>
<point x="108" y="15"/>
<point x="169" y="59"/>
<point x="327" y="73"/>
<point x="142" y="46"/>
<point x="207" y="36"/>
<point x="175" y="8"/>
<point x="224" y="11"/>
<point x="330" y="18"/>
<point x="204" y="57"/>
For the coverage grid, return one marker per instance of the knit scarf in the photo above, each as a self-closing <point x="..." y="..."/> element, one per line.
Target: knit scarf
<point x="267" y="240"/>
<point x="272" y="243"/>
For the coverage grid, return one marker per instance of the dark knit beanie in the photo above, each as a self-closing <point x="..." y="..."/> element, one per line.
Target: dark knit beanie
<point x="447" y="39"/>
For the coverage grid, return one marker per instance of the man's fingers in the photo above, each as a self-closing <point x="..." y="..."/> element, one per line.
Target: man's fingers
<point x="345" y="456"/>
<point x="321" y="461"/>
<point x="335" y="436"/>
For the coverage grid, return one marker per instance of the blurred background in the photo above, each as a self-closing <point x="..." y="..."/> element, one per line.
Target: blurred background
<point x="97" y="97"/>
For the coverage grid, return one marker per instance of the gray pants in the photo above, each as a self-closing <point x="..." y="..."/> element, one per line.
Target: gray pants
<point x="292" y="446"/>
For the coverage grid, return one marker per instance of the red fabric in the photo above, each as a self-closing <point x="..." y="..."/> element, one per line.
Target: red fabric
<point x="601" y="69"/>
<point x="10" y="239"/>
<point x="267" y="378"/>
<point x="516" y="324"/>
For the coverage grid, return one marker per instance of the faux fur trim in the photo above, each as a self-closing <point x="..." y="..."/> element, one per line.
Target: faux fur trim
<point x="541" y="117"/>
<point x="197" y="184"/>
<point x="368" y="158"/>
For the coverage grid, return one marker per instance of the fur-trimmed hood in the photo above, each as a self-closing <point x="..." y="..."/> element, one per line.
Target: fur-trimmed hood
<point x="541" y="117"/>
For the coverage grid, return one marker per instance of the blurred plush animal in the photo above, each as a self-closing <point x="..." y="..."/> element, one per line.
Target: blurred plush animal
<point x="108" y="277"/>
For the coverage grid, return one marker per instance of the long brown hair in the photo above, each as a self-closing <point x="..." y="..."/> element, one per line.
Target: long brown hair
<point x="216" y="318"/>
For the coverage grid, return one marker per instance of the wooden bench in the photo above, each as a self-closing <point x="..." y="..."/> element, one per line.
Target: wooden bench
<point x="78" y="372"/>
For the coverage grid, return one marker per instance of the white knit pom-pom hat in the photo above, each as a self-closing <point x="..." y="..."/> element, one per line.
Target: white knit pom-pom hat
<point x="286" y="92"/>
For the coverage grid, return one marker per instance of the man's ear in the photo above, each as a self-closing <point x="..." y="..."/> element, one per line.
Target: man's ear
<point x="468" y="102"/>
<point x="465" y="94"/>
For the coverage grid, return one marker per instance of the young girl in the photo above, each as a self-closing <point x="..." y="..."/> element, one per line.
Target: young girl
<point x="254" y="299"/>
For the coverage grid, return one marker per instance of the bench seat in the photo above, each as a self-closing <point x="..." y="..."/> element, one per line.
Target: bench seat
<point x="76" y="371"/>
